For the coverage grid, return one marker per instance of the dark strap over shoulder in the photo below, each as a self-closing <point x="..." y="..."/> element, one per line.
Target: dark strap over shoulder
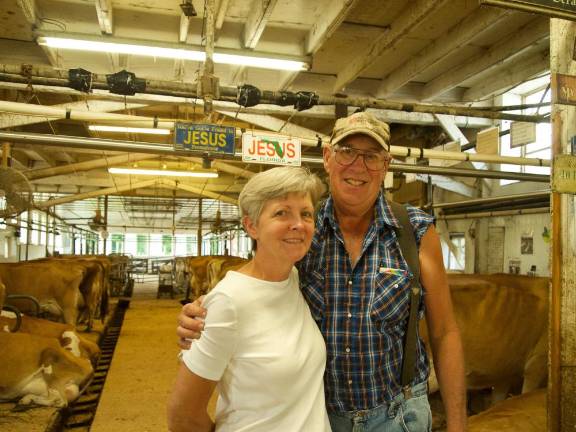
<point x="409" y="248"/>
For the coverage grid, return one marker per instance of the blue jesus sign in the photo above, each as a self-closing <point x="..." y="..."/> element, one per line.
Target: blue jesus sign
<point x="204" y="138"/>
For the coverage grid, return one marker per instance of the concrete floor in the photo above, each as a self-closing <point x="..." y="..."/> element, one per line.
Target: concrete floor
<point x="143" y="367"/>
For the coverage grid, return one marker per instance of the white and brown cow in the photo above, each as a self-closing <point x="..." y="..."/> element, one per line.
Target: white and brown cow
<point x="36" y="370"/>
<point x="69" y="338"/>
<point x="503" y="322"/>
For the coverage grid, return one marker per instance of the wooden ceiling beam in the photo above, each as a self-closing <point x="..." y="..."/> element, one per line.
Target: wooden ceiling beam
<point x="221" y="14"/>
<point x="87" y="165"/>
<point x="274" y="124"/>
<point x="509" y="76"/>
<point x="327" y="23"/>
<point x="104" y="12"/>
<point x="454" y="39"/>
<point x="256" y="22"/>
<point x="173" y="184"/>
<point x="383" y="45"/>
<point x="511" y="45"/>
<point x="97" y="193"/>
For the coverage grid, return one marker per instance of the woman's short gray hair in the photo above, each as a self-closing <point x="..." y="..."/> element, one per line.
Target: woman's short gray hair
<point x="276" y="183"/>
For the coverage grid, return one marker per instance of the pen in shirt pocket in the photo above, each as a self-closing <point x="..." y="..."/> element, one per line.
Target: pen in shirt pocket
<point x="392" y="271"/>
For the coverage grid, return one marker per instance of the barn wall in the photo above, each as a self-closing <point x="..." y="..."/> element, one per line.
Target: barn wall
<point x="480" y="248"/>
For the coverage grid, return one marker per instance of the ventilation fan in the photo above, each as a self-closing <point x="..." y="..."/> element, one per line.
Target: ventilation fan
<point x="15" y="193"/>
<point x="217" y="225"/>
<point x="97" y="223"/>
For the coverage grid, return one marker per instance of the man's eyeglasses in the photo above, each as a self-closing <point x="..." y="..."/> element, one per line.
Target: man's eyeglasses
<point x="373" y="160"/>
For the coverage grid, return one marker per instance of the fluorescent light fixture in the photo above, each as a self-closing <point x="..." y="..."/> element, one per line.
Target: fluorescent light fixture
<point x="160" y="172"/>
<point x="153" y="131"/>
<point x="173" y="53"/>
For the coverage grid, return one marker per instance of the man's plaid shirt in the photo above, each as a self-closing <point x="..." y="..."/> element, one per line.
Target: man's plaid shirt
<point x="362" y="311"/>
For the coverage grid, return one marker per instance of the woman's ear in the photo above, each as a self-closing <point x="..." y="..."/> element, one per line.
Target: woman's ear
<point x="250" y="227"/>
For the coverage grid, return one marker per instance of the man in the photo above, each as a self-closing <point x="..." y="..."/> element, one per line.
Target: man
<point x="357" y="284"/>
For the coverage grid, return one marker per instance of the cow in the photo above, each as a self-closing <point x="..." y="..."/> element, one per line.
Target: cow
<point x="197" y="268"/>
<point x="36" y="370"/>
<point x="503" y="322"/>
<point x="54" y="284"/>
<point x="524" y="413"/>
<point x="94" y="287"/>
<point x="70" y="340"/>
<point x="218" y="267"/>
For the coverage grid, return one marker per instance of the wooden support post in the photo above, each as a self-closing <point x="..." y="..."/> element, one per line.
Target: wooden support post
<point x="200" y="227"/>
<point x="105" y="235"/>
<point x="562" y="372"/>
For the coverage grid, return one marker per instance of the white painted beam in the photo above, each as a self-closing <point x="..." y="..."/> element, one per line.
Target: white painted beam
<point x="507" y="77"/>
<point x="511" y="45"/>
<point x="449" y="125"/>
<point x="448" y="184"/>
<point x="184" y="26"/>
<point x="105" y="16"/>
<point x="327" y="23"/>
<point x="454" y="39"/>
<point x="87" y="165"/>
<point x="256" y="21"/>
<point x="221" y="14"/>
<point x="403" y="25"/>
<point x="172" y="184"/>
<point x="275" y="124"/>
<point x="8" y="120"/>
<point x="100" y="192"/>
<point x="29" y="10"/>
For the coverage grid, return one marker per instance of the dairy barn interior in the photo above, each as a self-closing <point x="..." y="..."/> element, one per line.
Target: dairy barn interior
<point x="99" y="101"/>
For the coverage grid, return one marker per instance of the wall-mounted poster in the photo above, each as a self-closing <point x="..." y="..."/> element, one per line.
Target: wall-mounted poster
<point x="527" y="245"/>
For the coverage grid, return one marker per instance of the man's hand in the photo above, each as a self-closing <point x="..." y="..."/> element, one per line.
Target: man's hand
<point x="190" y="322"/>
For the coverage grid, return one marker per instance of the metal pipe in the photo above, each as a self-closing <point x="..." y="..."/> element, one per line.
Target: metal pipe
<point x="491" y="200"/>
<point x="142" y="147"/>
<point x="476" y="215"/>
<point x="58" y="141"/>
<point x="270" y="97"/>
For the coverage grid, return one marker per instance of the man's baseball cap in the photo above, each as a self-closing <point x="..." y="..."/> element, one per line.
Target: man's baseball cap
<point x="361" y="123"/>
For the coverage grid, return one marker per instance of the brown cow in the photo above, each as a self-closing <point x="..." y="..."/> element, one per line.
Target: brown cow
<point x="37" y="370"/>
<point x="54" y="283"/>
<point x="503" y="323"/>
<point x="197" y="268"/>
<point x="524" y="413"/>
<point x="70" y="340"/>
<point x="219" y="266"/>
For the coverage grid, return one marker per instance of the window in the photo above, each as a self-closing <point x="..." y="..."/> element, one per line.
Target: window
<point x="191" y="245"/>
<point x="142" y="245"/>
<point x="541" y="148"/>
<point x="117" y="243"/>
<point x="455" y="253"/>
<point x="166" y="245"/>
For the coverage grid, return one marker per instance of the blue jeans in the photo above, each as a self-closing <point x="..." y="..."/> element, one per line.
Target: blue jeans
<point x="400" y="415"/>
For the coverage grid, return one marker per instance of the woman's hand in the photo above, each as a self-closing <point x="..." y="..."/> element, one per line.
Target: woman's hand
<point x="190" y="322"/>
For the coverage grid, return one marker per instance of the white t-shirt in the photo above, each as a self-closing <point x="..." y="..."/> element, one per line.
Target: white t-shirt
<point x="262" y="345"/>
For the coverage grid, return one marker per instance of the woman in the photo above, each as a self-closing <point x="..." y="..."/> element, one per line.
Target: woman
<point x="260" y="344"/>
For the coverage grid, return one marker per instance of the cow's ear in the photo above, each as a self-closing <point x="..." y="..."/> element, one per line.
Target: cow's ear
<point x="49" y="356"/>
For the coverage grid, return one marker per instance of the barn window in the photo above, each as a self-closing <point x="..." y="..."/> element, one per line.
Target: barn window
<point x="166" y="245"/>
<point x="455" y="252"/>
<point x="142" y="245"/>
<point x="191" y="245"/>
<point x="117" y="243"/>
<point x="542" y="147"/>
